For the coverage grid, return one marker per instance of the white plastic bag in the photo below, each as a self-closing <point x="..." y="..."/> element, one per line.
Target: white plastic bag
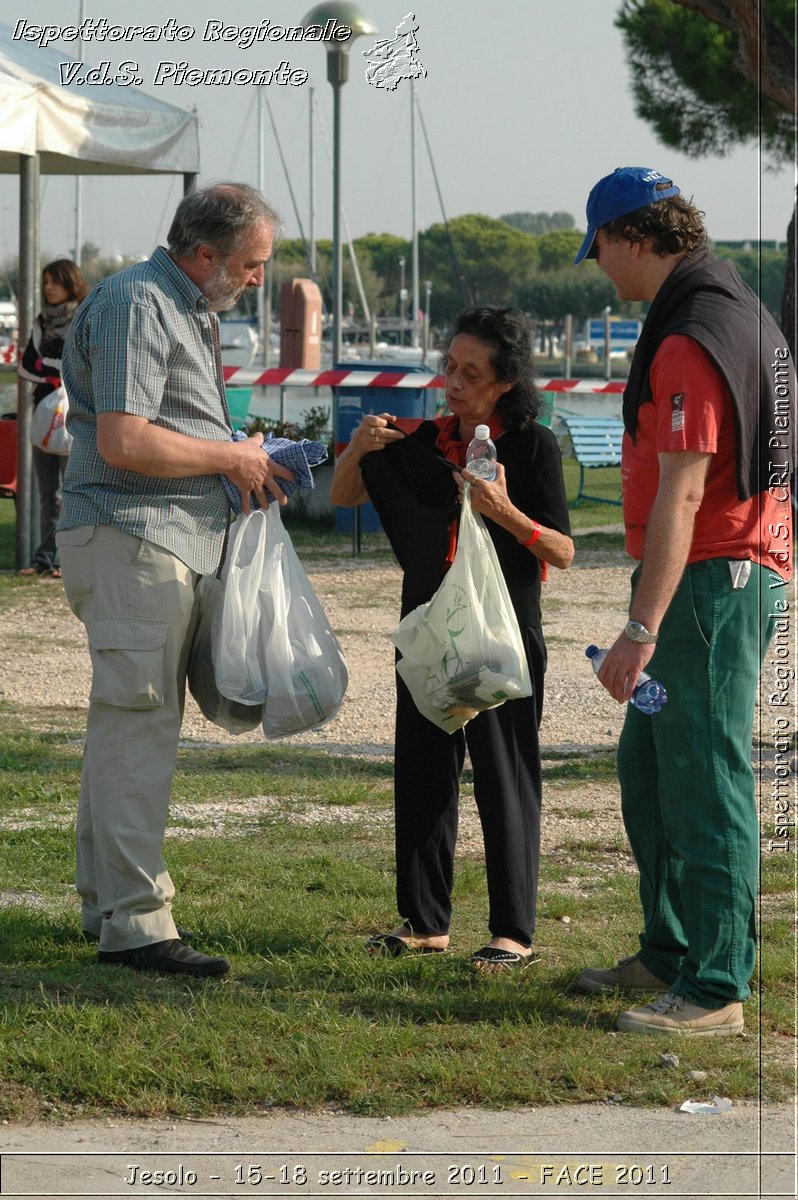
<point x="462" y="651"/>
<point x="48" y="428"/>
<point x="276" y="646"/>
<point x="305" y="668"/>
<point x="238" y="653"/>
<point x="232" y="715"/>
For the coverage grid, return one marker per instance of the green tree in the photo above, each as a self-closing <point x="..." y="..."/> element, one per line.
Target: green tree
<point x="763" y="270"/>
<point x="693" y="78"/>
<point x="558" y="248"/>
<point x="493" y="258"/>
<point x="710" y="74"/>
<point x="538" y="223"/>
<point x="551" y="295"/>
<point x="384" y="251"/>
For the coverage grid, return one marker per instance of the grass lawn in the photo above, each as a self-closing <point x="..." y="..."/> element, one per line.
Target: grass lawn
<point x="289" y="886"/>
<point x="289" y="891"/>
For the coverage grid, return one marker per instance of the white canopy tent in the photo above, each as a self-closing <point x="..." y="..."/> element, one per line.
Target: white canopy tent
<point x="72" y="129"/>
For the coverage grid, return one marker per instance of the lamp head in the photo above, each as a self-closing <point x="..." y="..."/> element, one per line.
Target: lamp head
<point x="340" y="23"/>
<point x="335" y="15"/>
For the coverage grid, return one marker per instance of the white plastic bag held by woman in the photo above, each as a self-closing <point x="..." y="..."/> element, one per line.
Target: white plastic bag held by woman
<point x="462" y="651"/>
<point x="48" y="428"/>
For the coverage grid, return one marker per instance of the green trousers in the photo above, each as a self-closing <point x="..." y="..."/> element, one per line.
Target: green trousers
<point x="687" y="785"/>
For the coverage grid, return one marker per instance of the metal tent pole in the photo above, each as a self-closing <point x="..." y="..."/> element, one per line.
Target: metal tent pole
<point x="26" y="539"/>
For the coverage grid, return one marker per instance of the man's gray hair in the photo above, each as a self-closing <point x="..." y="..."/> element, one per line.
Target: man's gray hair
<point x="219" y="216"/>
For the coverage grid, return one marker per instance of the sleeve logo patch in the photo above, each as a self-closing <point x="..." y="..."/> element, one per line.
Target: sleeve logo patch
<point x="677" y="412"/>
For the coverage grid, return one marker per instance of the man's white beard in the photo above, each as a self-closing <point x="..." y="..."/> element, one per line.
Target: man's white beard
<point x="221" y="292"/>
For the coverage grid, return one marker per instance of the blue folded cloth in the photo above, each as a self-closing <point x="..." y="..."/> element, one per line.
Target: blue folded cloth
<point x="299" y="457"/>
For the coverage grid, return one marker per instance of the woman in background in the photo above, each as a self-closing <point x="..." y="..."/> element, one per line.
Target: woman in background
<point x="63" y="288"/>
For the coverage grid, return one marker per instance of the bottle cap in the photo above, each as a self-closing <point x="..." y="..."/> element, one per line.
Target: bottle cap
<point x="591" y="650"/>
<point x="482" y="432"/>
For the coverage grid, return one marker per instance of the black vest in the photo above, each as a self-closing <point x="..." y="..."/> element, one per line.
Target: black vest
<point x="705" y="299"/>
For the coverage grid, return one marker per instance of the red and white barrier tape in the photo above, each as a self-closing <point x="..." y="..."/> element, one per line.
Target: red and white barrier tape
<point x="288" y="377"/>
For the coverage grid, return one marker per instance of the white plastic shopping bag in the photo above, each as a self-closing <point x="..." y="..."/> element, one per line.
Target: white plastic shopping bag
<point x="276" y="646"/>
<point x="305" y="667"/>
<point x="48" y="429"/>
<point x="232" y="715"/>
<point x="238" y="662"/>
<point x="462" y="651"/>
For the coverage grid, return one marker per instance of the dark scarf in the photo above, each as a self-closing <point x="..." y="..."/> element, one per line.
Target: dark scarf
<point x="705" y="299"/>
<point x="55" y="319"/>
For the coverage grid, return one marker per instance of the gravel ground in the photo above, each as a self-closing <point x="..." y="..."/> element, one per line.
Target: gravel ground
<point x="585" y="604"/>
<point x="361" y="599"/>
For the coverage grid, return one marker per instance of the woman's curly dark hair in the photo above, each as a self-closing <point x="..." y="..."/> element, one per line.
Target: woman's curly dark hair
<point x="508" y="334"/>
<point x="674" y="226"/>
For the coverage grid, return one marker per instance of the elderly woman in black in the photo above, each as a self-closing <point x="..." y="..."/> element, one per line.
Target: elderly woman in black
<point x="489" y="380"/>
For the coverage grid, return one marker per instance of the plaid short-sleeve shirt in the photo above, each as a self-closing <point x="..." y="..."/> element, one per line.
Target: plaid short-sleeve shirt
<point x="143" y="342"/>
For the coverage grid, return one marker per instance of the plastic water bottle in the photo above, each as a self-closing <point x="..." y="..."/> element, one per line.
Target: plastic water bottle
<point x="481" y="454"/>
<point x="649" y="694"/>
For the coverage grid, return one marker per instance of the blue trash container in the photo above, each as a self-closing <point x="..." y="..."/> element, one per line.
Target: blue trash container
<point x="352" y="402"/>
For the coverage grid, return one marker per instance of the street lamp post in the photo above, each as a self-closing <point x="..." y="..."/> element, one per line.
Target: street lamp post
<point x="335" y="15"/>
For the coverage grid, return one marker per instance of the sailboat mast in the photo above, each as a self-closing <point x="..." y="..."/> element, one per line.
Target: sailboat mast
<point x="414" y="206"/>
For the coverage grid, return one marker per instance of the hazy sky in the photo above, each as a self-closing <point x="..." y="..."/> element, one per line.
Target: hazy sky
<point x="527" y="103"/>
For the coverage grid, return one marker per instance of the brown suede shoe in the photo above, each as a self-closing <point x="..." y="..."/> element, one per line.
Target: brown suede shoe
<point x="628" y="976"/>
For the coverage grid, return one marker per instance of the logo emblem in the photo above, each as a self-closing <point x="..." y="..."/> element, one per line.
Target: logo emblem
<point x="677" y="412"/>
<point x="390" y="60"/>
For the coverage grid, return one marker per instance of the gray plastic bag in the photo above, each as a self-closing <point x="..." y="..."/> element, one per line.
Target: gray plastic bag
<point x="231" y="715"/>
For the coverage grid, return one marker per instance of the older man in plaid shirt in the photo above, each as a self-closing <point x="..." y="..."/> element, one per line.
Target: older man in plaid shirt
<point x="144" y="516"/>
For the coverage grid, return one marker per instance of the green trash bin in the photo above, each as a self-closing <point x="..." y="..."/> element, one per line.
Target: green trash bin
<point x="238" y="399"/>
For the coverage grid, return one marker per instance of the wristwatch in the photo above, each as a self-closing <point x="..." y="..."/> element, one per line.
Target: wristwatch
<point x="637" y="632"/>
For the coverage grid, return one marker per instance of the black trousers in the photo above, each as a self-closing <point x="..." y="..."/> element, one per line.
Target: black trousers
<point x="505" y="755"/>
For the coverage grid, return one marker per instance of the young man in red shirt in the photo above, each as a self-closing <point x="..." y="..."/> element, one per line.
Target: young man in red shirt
<point x="706" y="455"/>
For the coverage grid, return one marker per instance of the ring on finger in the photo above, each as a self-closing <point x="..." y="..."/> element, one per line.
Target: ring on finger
<point x="374" y="431"/>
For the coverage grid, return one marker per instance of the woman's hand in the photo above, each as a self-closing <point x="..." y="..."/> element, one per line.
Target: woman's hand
<point x="373" y="434"/>
<point x="492" y="501"/>
<point x="487" y="497"/>
<point x="347" y="489"/>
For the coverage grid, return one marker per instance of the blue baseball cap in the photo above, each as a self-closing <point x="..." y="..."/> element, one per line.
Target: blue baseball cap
<point x="622" y="192"/>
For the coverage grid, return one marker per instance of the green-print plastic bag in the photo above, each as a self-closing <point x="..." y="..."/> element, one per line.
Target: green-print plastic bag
<point x="462" y="651"/>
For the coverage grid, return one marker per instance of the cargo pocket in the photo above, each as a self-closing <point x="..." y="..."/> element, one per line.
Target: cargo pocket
<point x="128" y="662"/>
<point x="77" y="564"/>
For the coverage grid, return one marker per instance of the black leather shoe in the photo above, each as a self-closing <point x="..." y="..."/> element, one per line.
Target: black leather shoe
<point x="171" y="956"/>
<point x="185" y="935"/>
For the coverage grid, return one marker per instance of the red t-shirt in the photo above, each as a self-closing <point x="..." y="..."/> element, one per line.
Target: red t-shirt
<point x="692" y="410"/>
